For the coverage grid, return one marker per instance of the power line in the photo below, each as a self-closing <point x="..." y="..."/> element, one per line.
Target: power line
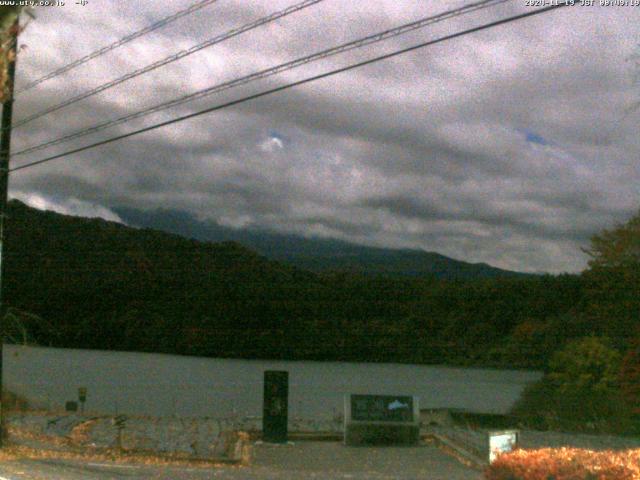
<point x="165" y="61"/>
<point x="294" y="84"/>
<point x="261" y="74"/>
<point x="154" y="26"/>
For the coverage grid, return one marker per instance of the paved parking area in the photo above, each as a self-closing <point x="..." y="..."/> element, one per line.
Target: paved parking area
<point x="302" y="460"/>
<point x="334" y="460"/>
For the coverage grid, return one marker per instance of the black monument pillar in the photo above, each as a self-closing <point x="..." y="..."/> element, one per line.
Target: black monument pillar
<point x="276" y="406"/>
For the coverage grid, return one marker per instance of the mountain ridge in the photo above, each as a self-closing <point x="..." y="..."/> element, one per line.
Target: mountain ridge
<point x="316" y="254"/>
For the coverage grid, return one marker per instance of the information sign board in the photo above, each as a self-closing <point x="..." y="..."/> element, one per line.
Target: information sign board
<point x="381" y="420"/>
<point x="381" y="408"/>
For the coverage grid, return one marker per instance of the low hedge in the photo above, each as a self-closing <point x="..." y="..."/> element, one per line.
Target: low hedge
<point x="565" y="464"/>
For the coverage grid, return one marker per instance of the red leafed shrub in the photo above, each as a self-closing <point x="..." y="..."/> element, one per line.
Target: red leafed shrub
<point x="565" y="464"/>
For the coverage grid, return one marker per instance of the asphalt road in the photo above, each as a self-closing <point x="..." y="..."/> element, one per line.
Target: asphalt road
<point x="304" y="460"/>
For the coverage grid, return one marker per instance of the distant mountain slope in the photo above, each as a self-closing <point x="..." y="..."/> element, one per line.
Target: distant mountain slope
<point x="105" y="285"/>
<point x="316" y="254"/>
<point x="89" y="283"/>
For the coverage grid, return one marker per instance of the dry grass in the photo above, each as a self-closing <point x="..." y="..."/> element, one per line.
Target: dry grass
<point x="18" y="452"/>
<point x="18" y="434"/>
<point x="81" y="434"/>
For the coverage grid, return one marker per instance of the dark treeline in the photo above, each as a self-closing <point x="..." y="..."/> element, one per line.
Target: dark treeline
<point x="96" y="284"/>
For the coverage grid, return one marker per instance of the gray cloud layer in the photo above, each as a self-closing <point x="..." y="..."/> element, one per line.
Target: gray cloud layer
<point x="510" y="146"/>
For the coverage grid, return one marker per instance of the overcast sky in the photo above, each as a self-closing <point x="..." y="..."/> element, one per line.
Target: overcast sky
<point x="511" y="146"/>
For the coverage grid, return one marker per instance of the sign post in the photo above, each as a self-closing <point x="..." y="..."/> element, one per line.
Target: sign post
<point x="501" y="442"/>
<point x="381" y="419"/>
<point x="275" y="414"/>
<point x="119" y="422"/>
<point x="82" y="397"/>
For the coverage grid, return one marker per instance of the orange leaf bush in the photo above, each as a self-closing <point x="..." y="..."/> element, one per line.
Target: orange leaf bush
<point x="565" y="464"/>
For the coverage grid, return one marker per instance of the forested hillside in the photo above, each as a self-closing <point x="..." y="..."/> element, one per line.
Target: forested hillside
<point x="97" y="284"/>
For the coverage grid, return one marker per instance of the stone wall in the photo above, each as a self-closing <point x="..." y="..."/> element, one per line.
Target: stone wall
<point x="193" y="437"/>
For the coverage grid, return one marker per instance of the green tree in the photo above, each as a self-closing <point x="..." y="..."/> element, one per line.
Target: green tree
<point x="580" y="392"/>
<point x="585" y="364"/>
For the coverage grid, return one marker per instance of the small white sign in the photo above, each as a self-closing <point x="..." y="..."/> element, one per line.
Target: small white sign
<point x="501" y="442"/>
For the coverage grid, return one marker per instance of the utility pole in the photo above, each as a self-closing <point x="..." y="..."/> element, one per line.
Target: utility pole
<point x="5" y="149"/>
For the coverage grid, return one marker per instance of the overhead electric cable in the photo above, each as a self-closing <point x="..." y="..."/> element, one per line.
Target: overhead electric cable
<point x="170" y="59"/>
<point x="261" y="74"/>
<point x="293" y="84"/>
<point x="101" y="51"/>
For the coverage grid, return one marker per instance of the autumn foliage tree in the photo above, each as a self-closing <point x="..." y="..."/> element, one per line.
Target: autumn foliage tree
<point x="618" y="247"/>
<point x="613" y="283"/>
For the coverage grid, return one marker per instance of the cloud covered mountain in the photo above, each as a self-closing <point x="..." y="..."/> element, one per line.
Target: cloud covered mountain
<point x="315" y="254"/>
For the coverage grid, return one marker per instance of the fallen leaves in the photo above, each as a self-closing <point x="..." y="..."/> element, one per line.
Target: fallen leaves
<point x="566" y="464"/>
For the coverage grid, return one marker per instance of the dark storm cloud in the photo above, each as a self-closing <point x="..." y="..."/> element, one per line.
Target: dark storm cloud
<point x="510" y="146"/>
<point x="471" y="211"/>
